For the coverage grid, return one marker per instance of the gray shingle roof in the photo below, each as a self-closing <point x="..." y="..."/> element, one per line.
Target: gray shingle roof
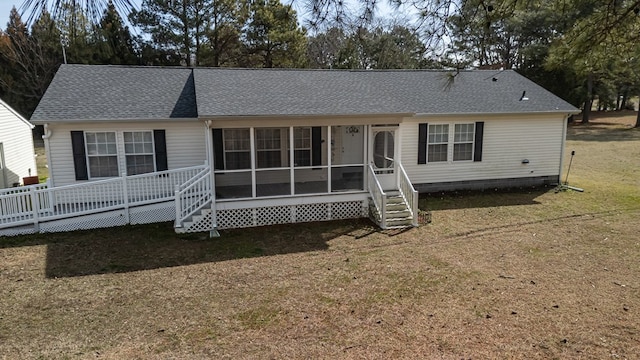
<point x="317" y="92"/>
<point x="84" y="92"/>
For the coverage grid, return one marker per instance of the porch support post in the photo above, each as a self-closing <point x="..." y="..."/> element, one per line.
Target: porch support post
<point x="35" y="208"/>
<point x="329" y="145"/>
<point x="51" y="197"/>
<point x="178" y="222"/>
<point x="252" y="143"/>
<point x="292" y="162"/>
<point x="365" y="151"/>
<point x="212" y="176"/>
<point x="125" y="197"/>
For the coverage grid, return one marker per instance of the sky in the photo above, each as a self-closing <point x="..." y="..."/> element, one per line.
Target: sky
<point x="6" y="5"/>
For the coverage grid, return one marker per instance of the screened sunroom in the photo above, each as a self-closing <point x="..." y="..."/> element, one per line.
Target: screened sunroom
<point x="262" y="162"/>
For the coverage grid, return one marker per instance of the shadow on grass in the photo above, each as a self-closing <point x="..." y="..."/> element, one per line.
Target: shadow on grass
<point x="602" y="131"/>
<point x="145" y="247"/>
<point x="481" y="199"/>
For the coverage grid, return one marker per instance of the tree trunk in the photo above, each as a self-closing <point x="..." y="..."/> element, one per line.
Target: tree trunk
<point x="638" y="118"/>
<point x="587" y="104"/>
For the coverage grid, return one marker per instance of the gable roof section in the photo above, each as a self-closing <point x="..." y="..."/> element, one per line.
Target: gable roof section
<point x="18" y="116"/>
<point x="238" y="92"/>
<point x="90" y="92"/>
<point x="104" y="92"/>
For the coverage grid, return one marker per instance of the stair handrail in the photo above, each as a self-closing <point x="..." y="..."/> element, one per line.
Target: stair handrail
<point x="378" y="195"/>
<point x="409" y="193"/>
<point x="192" y="195"/>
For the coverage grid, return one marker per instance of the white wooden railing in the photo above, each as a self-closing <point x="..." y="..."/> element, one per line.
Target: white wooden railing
<point x="22" y="189"/>
<point x="37" y="203"/>
<point x="409" y="194"/>
<point x="378" y="195"/>
<point x="192" y="195"/>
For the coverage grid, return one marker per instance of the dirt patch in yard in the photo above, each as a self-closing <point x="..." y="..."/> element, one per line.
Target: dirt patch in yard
<point x="529" y="274"/>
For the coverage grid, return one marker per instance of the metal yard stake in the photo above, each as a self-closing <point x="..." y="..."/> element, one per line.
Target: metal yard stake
<point x="565" y="186"/>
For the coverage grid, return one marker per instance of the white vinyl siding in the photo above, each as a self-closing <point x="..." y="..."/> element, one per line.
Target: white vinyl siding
<point x="186" y="145"/>
<point x="506" y="142"/>
<point x="17" y="143"/>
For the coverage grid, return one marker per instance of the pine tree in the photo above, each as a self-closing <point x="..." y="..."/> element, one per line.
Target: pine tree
<point x="117" y="45"/>
<point x="273" y="37"/>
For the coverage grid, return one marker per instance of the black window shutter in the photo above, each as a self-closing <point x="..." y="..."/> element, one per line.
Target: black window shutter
<point x="218" y="149"/>
<point x="422" y="143"/>
<point x="316" y="146"/>
<point x="160" y="143"/>
<point x="477" y="151"/>
<point x="79" y="155"/>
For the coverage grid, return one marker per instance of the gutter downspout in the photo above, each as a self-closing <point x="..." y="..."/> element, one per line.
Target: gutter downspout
<point x="47" y="151"/>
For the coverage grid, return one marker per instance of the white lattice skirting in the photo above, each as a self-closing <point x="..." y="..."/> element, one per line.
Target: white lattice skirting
<point x="146" y="214"/>
<point x="287" y="214"/>
<point x="227" y="219"/>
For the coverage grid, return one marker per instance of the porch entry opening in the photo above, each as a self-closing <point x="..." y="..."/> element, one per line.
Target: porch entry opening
<point x="382" y="155"/>
<point x="285" y="161"/>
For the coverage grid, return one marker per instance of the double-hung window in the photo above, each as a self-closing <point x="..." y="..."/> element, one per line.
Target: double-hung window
<point x="438" y="142"/>
<point x="138" y="149"/>
<point x="450" y="142"/>
<point x="270" y="152"/>
<point x="302" y="146"/>
<point x="463" y="142"/>
<point x="102" y="154"/>
<point x="237" y="149"/>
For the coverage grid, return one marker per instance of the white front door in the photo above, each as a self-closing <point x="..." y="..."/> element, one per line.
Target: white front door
<point x="382" y="155"/>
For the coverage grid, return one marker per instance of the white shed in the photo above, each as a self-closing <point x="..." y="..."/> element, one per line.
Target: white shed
<point x="17" y="159"/>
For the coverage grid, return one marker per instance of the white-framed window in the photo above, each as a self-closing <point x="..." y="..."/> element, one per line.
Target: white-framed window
<point x="463" y="142"/>
<point x="444" y="145"/>
<point x="438" y="143"/>
<point x="302" y="146"/>
<point x="237" y="149"/>
<point x="270" y="152"/>
<point x="102" y="154"/>
<point x="139" y="154"/>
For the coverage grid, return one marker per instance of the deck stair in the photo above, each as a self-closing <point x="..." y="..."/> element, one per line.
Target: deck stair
<point x="199" y="221"/>
<point x="393" y="207"/>
<point x="397" y="212"/>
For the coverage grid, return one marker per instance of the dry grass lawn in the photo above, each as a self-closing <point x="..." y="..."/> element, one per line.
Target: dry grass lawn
<point x="528" y="274"/>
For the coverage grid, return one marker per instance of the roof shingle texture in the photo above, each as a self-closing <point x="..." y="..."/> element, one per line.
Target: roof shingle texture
<point x="84" y="92"/>
<point x="313" y="92"/>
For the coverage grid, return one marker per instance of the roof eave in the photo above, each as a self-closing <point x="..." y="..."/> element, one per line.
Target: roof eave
<point x="549" y="112"/>
<point x="306" y="116"/>
<point x="11" y="110"/>
<point x="77" y="121"/>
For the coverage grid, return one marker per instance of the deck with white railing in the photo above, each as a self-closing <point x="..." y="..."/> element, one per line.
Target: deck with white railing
<point x="186" y="196"/>
<point x="32" y="205"/>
